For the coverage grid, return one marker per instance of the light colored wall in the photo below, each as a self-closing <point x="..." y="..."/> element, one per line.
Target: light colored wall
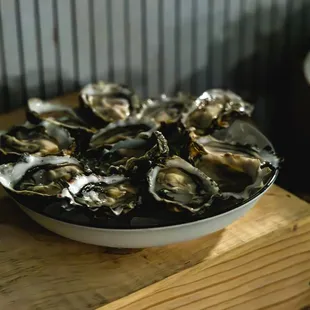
<point x="48" y="47"/>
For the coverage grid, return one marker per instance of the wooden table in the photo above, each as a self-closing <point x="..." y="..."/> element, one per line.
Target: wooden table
<point x="262" y="261"/>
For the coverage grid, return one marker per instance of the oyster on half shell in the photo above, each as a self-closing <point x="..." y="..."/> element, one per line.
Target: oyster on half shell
<point x="40" y="140"/>
<point x="214" y="109"/>
<point x="57" y="114"/>
<point x="239" y="170"/>
<point x="103" y="103"/>
<point x="112" y="195"/>
<point x="166" y="109"/>
<point x="181" y="186"/>
<point x="43" y="176"/>
<point x="119" y="131"/>
<point x="130" y="154"/>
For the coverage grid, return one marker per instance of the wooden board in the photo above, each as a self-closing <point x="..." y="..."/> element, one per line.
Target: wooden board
<point x="264" y="253"/>
<point x="272" y="272"/>
<point x="40" y="270"/>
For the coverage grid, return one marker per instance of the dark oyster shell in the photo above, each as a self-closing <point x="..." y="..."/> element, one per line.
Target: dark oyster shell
<point x="181" y="186"/>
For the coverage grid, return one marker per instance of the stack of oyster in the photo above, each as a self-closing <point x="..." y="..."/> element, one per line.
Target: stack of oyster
<point x="117" y="161"/>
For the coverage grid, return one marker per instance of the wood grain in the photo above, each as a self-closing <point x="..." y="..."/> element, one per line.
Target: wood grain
<point x="273" y="274"/>
<point x="40" y="270"/>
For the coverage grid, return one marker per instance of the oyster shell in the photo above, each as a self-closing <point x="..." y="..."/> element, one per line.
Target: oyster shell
<point x="57" y="114"/>
<point x="113" y="195"/>
<point x="214" y="109"/>
<point x="181" y="186"/>
<point x="239" y="170"/>
<point x="104" y="103"/>
<point x="41" y="140"/>
<point x="119" y="131"/>
<point x="166" y="109"/>
<point x="43" y="176"/>
<point x="132" y="154"/>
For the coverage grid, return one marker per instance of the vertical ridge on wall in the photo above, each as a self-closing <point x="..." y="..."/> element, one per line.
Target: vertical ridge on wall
<point x="170" y="47"/>
<point x="49" y="48"/>
<point x="200" y="52"/>
<point x="161" y="48"/>
<point x="54" y="46"/>
<point x="4" y="94"/>
<point x="92" y="33"/>
<point x="152" y="42"/>
<point x="83" y="32"/>
<point x="185" y="64"/>
<point x="209" y="39"/>
<point x="136" y="46"/>
<point x="127" y="38"/>
<point x="11" y="53"/>
<point x="101" y="40"/>
<point x="193" y="81"/>
<point x="75" y="52"/>
<point x="21" y="52"/>
<point x="41" y="86"/>
<point x="177" y="41"/>
<point x="118" y="36"/>
<point x="58" y="47"/>
<point x="144" y="38"/>
<point x="65" y="46"/>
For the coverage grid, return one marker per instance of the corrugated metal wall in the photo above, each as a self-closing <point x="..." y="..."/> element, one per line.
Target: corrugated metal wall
<point x="49" y="47"/>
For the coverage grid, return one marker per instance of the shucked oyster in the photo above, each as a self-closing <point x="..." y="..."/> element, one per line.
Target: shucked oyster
<point x="57" y="114"/>
<point x="113" y="195"/>
<point x="124" y="155"/>
<point x="181" y="186"/>
<point x="44" y="176"/>
<point x="213" y="110"/>
<point x="166" y="109"/>
<point x="239" y="170"/>
<point x="119" y="131"/>
<point x="104" y="103"/>
<point x="41" y="140"/>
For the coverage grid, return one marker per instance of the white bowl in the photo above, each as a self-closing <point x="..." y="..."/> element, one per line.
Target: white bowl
<point x="144" y="237"/>
<point x="159" y="236"/>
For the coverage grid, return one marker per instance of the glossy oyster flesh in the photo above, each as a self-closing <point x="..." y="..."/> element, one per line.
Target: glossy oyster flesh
<point x="119" y="131"/>
<point x="105" y="103"/>
<point x="124" y="155"/>
<point x="214" y="109"/>
<point x="113" y="195"/>
<point x="44" y="176"/>
<point x="239" y="170"/>
<point x="166" y="109"/>
<point x="58" y="114"/>
<point x="41" y="140"/>
<point x="181" y="186"/>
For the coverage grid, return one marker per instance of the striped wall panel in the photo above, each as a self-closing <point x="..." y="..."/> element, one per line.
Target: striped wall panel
<point x="50" y="47"/>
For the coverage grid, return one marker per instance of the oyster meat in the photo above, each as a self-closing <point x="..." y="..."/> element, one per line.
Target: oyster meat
<point x="41" y="140"/>
<point x="214" y="109"/>
<point x="166" y="109"/>
<point x="239" y="170"/>
<point x="181" y="186"/>
<point x="104" y="103"/>
<point x="45" y="176"/>
<point x="113" y="195"/>
<point x="125" y="155"/>
<point x="119" y="131"/>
